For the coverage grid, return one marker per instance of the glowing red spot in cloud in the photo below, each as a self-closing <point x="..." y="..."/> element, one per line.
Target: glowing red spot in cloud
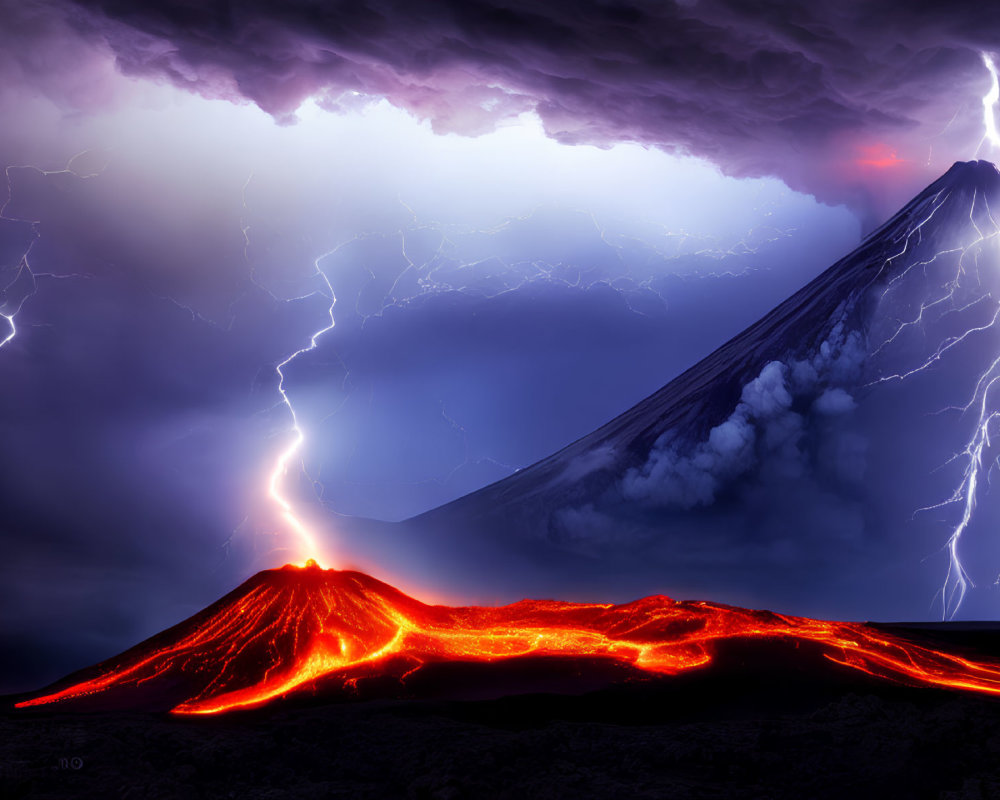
<point x="878" y="156"/>
<point x="300" y="628"/>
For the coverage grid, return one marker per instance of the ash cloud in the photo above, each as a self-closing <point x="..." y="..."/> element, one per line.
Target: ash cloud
<point x="780" y="430"/>
<point x="777" y="485"/>
<point x="814" y="94"/>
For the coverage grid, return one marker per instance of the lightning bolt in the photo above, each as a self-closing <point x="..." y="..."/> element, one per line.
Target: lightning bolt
<point x="975" y="454"/>
<point x="960" y="267"/>
<point x="309" y="548"/>
<point x="991" y="134"/>
<point x="9" y="313"/>
<point x="12" y="307"/>
<point x="13" y="330"/>
<point x="307" y="539"/>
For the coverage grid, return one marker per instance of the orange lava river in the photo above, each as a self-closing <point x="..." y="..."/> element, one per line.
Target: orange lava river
<point x="295" y="628"/>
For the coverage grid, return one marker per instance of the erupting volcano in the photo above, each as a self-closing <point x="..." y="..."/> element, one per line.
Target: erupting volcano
<point x="293" y="629"/>
<point x="916" y="297"/>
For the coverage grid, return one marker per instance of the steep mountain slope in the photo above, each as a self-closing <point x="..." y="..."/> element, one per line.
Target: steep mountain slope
<point x="773" y="452"/>
<point x="845" y="295"/>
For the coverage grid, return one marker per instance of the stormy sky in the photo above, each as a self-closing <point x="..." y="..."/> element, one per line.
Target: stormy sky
<point x="530" y="215"/>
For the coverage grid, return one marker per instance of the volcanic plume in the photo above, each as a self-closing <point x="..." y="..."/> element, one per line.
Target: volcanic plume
<point x="295" y="629"/>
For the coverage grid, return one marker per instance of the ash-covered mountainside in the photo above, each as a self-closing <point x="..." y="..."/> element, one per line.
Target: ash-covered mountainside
<point x="832" y="459"/>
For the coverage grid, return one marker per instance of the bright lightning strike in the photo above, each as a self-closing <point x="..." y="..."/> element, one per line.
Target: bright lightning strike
<point x="958" y="270"/>
<point x="13" y="307"/>
<point x="308" y="543"/>
<point x="309" y="548"/>
<point x="974" y="455"/>
<point x="991" y="134"/>
<point x="13" y="330"/>
<point x="990" y="103"/>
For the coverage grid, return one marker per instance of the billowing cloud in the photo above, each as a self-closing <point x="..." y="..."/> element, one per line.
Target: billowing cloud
<point x="834" y="401"/>
<point x="671" y="477"/>
<point x="765" y="434"/>
<point x="817" y="94"/>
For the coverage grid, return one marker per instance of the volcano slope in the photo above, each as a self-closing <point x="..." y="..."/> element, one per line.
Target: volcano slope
<point x="306" y="629"/>
<point x="839" y="446"/>
<point x="539" y="699"/>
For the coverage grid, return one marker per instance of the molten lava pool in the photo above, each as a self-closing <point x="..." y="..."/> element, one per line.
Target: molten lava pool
<point x="295" y="628"/>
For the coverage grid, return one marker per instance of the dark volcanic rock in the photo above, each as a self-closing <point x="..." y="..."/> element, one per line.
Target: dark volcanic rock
<point x="635" y="741"/>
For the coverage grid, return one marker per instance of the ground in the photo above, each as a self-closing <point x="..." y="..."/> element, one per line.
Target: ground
<point x="760" y="733"/>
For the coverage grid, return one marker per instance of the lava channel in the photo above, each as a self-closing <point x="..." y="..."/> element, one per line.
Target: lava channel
<point x="294" y="628"/>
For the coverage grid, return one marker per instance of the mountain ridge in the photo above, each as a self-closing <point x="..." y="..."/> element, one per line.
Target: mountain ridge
<point x="961" y="174"/>
<point x="599" y="517"/>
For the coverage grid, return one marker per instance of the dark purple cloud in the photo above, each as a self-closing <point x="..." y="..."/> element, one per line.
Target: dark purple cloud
<point x="52" y="75"/>
<point x="852" y="101"/>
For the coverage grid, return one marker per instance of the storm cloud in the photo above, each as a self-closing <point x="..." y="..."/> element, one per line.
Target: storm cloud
<point x="853" y="102"/>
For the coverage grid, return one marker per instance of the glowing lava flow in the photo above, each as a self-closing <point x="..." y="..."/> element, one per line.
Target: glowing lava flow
<point x="298" y="628"/>
<point x="308" y="544"/>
